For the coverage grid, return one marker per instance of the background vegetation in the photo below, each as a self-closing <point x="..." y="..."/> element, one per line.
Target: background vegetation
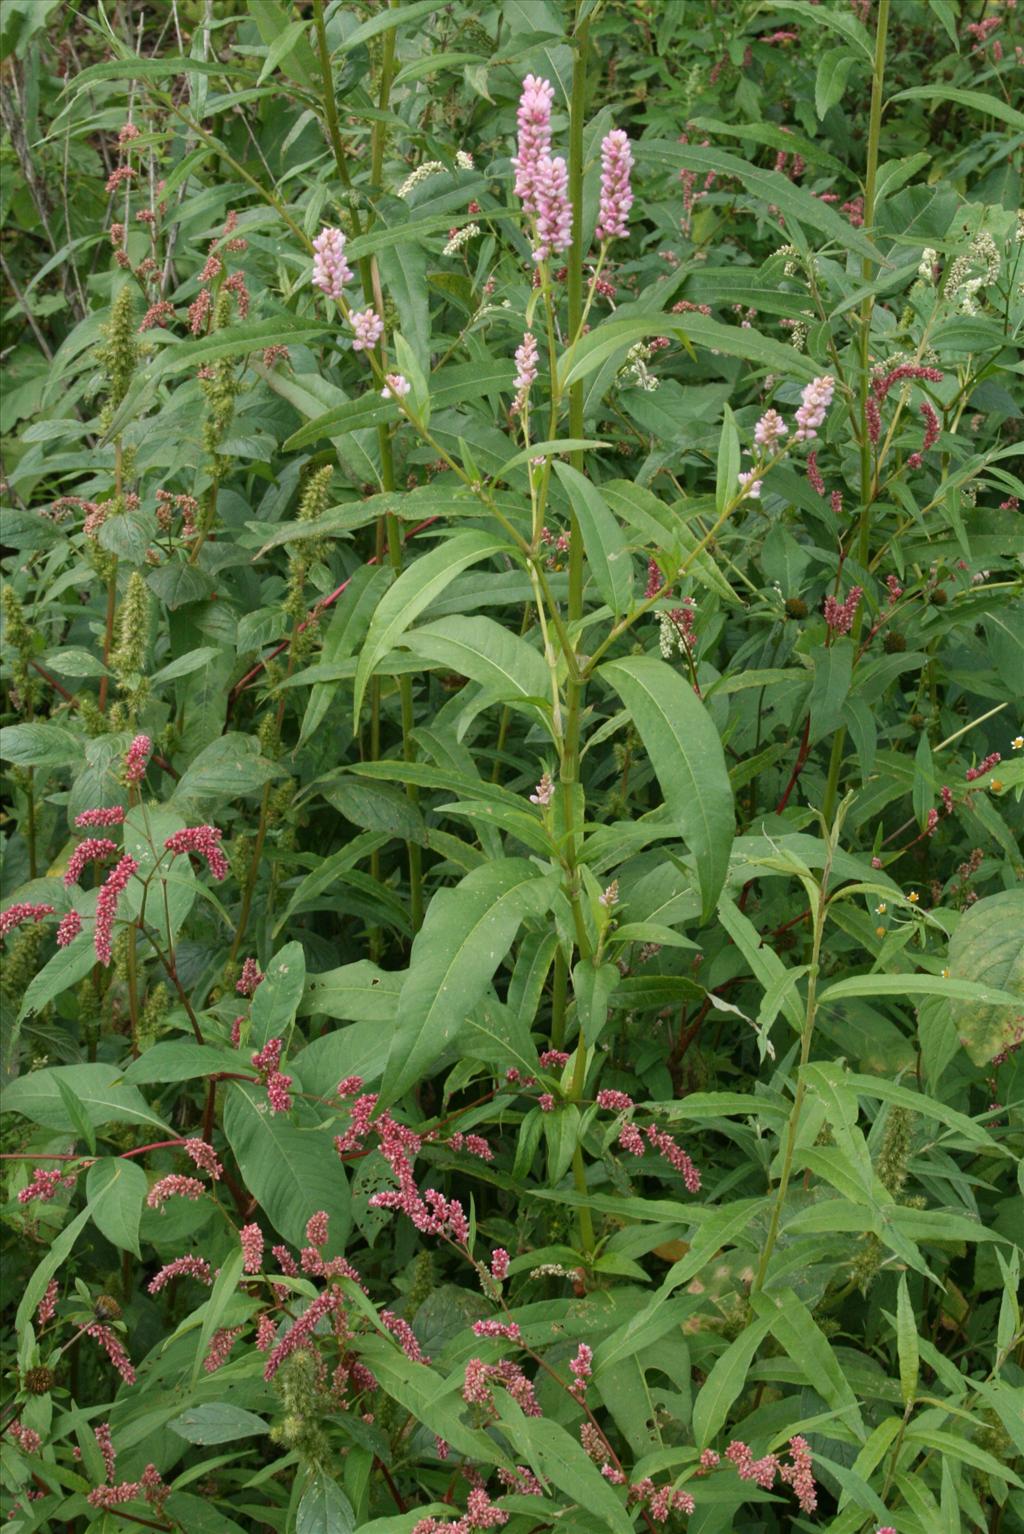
<point x="513" y="964"/>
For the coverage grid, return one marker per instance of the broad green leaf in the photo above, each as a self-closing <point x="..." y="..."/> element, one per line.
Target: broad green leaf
<point x="324" y="1508"/>
<point x="617" y="334"/>
<point x="487" y="653"/>
<point x="415" y="588"/>
<point x="604" y="547"/>
<point x="278" y="995"/>
<point x="978" y="101"/>
<point x="116" y="1189"/>
<point x="217" y="1422"/>
<point x="725" y="1382"/>
<point x="291" y="1172"/>
<point x="833" y="72"/>
<point x="987" y="949"/>
<point x="180" y="1060"/>
<point x="102" y="1100"/>
<point x="356" y="992"/>
<point x="687" y="758"/>
<point x="467" y="932"/>
<point x="40" y="745"/>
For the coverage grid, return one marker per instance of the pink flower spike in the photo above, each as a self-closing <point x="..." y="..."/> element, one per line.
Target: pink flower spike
<point x="136" y="758"/>
<point x="250" y="978"/>
<point x="114" y="816"/>
<point x="106" y="905"/>
<point x="368" y="327"/>
<point x="95" y="849"/>
<point x="70" y="927"/>
<point x="316" y="1229"/>
<point x="23" y="911"/>
<point x="616" y="195"/>
<point x="174" y="1186"/>
<point x="396" y="386"/>
<point x="204" y="841"/>
<point x="181" y="1267"/>
<point x="814" y="402"/>
<point x="534" y="122"/>
<point x="526" y="371"/>
<point x="330" y="269"/>
<point x="204" y="1157"/>
<point x="251" y="1238"/>
<point x="499" y="1264"/>
<point x="554" y="211"/>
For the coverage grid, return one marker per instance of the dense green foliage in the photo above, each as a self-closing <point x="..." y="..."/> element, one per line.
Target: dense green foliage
<point x="533" y="1041"/>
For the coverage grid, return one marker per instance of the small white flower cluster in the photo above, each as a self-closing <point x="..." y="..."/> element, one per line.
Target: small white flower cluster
<point x="419" y="175"/>
<point x="463" y="159"/>
<point x="962" y="287"/>
<point x="460" y="238"/>
<point x="929" y="258"/>
<point x="635" y="369"/>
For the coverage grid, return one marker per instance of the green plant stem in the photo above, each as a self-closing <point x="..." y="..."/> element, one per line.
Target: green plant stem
<point x="821" y="913"/>
<point x="864" y="381"/>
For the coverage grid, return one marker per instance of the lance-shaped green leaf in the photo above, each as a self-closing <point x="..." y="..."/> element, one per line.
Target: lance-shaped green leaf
<point x="467" y="932"/>
<point x="556" y="1456"/>
<point x="414" y="590"/>
<point x="487" y="653"/>
<point x="604" y="545"/>
<point x="116" y="1190"/>
<point x="285" y="1168"/>
<point x="688" y="759"/>
<point x="906" y="1342"/>
<point x="725" y="1382"/>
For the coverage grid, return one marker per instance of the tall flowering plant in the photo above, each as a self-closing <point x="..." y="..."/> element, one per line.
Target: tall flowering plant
<point x="511" y="922"/>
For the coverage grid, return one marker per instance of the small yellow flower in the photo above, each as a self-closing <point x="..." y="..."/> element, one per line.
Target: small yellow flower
<point x="879" y="931"/>
<point x="880" y="910"/>
<point x="996" y="785"/>
<point x="913" y="897"/>
<point x="945" y="974"/>
<point x="1017" y="742"/>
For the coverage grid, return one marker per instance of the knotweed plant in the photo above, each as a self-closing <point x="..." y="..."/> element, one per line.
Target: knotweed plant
<point x="512" y="927"/>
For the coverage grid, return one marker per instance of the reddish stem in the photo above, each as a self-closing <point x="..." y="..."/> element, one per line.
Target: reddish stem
<point x="798" y="767"/>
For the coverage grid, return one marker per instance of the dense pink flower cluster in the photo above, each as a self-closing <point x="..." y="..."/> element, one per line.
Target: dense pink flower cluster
<point x="251" y="1238"/>
<point x="278" y="1086"/>
<point x="814" y="475"/>
<point x="581" y="1368"/>
<point x="673" y="1153"/>
<point x="136" y="757"/>
<point x="840" y="615"/>
<point x="368" y="327"/>
<point x="94" y="849"/>
<point x="396" y="386"/>
<point x="27" y="1439"/>
<point x="204" y="1157"/>
<point x="480" y="1378"/>
<point x="21" y="912"/>
<point x="326" y="1304"/>
<point x="113" y="816"/>
<point x="814" y="402"/>
<point x="181" y="1267"/>
<point x="616" y="194"/>
<point x="47" y="1307"/>
<point x="174" y="1186"/>
<point x="349" y="1086"/>
<point x="107" y="901"/>
<point x="250" y="978"/>
<point x="405" y="1336"/>
<point x="544" y="792"/>
<point x="799" y="1476"/>
<point x="68" y="929"/>
<point x="554" y="1059"/>
<point x="44" y="1186"/>
<point x="330" y="269"/>
<point x="114" y="1349"/>
<point x="974" y="773"/>
<point x="526" y="371"/>
<point x="105" y="1443"/>
<point x="881" y="386"/>
<point x="499" y="1264"/>
<point x="204" y="841"/>
<point x="534" y="144"/>
<point x="317" y="1228"/>
<point x="509" y="1330"/>
<point x="932" y="426"/>
<point x="221" y="1343"/>
<point x="554" y="211"/>
<point x="473" y="1145"/>
<point x="613" y="1101"/>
